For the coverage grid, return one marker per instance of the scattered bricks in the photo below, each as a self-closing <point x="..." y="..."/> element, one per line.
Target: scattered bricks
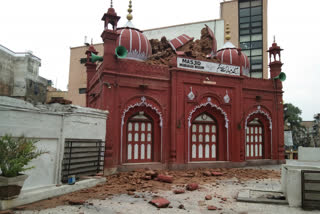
<point x="165" y="178"/>
<point x="136" y="196"/>
<point x="178" y="191"/>
<point x="160" y="202"/>
<point x="224" y="199"/>
<point x="7" y="212"/>
<point x="211" y="207"/>
<point x="76" y="202"/>
<point x="208" y="197"/>
<point x="217" y="173"/>
<point x="206" y="173"/>
<point x="192" y="186"/>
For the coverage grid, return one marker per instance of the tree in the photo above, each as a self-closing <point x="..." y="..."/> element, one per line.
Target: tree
<point x="293" y="120"/>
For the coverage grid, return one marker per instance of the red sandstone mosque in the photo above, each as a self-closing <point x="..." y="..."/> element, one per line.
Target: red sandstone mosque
<point x="187" y="113"/>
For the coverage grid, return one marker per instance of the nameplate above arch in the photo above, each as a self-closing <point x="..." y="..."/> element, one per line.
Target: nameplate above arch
<point x="199" y="65"/>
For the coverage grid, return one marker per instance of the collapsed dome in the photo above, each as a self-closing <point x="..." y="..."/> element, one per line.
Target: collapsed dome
<point x="137" y="44"/>
<point x="230" y="55"/>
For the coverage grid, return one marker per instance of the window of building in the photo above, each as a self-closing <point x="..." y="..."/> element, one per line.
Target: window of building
<point x="82" y="90"/>
<point x="250" y="33"/>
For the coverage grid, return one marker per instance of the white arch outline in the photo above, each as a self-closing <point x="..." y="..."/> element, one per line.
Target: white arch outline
<point x="245" y="128"/>
<point x="213" y="106"/>
<point x="142" y="103"/>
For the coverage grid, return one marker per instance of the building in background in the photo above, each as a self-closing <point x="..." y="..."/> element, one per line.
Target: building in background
<point x="248" y="25"/>
<point x="19" y="76"/>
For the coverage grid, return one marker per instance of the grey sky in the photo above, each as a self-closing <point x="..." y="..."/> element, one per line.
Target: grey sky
<point x="50" y="28"/>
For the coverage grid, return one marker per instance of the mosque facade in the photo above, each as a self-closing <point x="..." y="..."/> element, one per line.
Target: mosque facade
<point x="187" y="113"/>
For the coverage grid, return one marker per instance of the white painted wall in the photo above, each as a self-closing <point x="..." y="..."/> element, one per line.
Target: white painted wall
<point x="190" y="29"/>
<point x="51" y="125"/>
<point x="291" y="179"/>
<point x="309" y="154"/>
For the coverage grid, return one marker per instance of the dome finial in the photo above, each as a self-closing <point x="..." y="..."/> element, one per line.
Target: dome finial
<point x="274" y="39"/>
<point x="228" y="37"/>
<point x="129" y="16"/>
<point x="111" y="4"/>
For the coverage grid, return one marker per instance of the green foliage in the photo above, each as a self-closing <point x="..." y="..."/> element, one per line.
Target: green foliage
<point x="16" y="153"/>
<point x="293" y="120"/>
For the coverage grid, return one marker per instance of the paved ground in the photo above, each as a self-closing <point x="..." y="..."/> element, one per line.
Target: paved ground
<point x="223" y="192"/>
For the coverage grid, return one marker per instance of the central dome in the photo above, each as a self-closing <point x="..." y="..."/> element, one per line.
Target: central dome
<point x="137" y="44"/>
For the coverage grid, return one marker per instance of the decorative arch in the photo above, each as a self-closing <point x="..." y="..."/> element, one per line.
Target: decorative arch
<point x="213" y="106"/>
<point x="267" y="117"/>
<point x="261" y="112"/>
<point x="143" y="103"/>
<point x="195" y="109"/>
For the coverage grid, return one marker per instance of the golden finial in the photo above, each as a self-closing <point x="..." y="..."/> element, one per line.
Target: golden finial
<point x="129" y="16"/>
<point x="111" y="4"/>
<point x="228" y="37"/>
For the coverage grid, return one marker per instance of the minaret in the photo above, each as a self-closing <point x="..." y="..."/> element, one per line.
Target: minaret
<point x="109" y="37"/>
<point x="275" y="59"/>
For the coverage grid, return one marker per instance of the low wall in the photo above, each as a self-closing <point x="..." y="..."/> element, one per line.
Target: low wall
<point x="51" y="125"/>
<point x="291" y="179"/>
<point x="308" y="154"/>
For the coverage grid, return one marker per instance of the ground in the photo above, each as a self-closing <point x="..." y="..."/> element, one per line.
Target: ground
<point x="130" y="192"/>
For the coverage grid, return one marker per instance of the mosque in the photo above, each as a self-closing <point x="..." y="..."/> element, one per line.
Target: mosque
<point x="187" y="113"/>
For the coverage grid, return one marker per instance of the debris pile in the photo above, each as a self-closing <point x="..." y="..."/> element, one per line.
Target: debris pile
<point x="162" y="52"/>
<point x="132" y="182"/>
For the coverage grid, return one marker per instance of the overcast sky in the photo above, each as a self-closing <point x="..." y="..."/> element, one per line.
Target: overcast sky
<point x="50" y="28"/>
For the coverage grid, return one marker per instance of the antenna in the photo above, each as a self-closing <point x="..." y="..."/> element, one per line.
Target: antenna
<point x="85" y="41"/>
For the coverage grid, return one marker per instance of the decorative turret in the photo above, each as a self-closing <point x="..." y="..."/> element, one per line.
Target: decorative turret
<point x="275" y="61"/>
<point x="110" y="18"/>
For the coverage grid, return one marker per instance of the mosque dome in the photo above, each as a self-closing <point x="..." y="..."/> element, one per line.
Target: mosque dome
<point x="136" y="43"/>
<point x="230" y="55"/>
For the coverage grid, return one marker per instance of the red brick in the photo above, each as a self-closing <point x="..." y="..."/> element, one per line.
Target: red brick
<point x="160" y="202"/>
<point x="165" y="178"/>
<point x="208" y="197"/>
<point x="217" y="173"/>
<point x="179" y="191"/>
<point x="212" y="207"/>
<point x="192" y="186"/>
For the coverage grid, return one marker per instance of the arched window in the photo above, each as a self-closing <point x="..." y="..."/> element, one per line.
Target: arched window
<point x="203" y="138"/>
<point x="139" y="138"/>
